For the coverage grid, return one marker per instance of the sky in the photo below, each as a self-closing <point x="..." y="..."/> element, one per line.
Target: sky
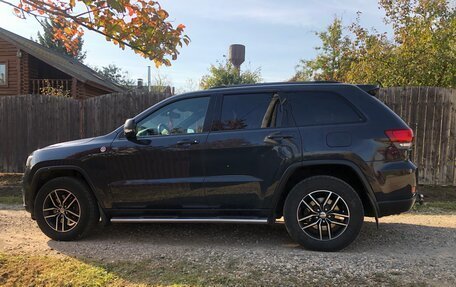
<point x="277" y="34"/>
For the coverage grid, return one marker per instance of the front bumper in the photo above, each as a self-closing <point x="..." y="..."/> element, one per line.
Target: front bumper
<point x="27" y="191"/>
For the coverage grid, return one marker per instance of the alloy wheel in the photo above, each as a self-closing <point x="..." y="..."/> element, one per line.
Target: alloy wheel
<point x="323" y="215"/>
<point x="61" y="210"/>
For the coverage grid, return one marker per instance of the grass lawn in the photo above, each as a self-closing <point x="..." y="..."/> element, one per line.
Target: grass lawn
<point x="25" y="270"/>
<point x="436" y="207"/>
<point x="10" y="188"/>
<point x="10" y="179"/>
<point x="31" y="270"/>
<point x="11" y="199"/>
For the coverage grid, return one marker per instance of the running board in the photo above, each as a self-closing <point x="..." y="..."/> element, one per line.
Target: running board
<point x="187" y="220"/>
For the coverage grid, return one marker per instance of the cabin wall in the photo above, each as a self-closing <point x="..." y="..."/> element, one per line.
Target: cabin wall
<point x="24" y="72"/>
<point x="8" y="55"/>
<point x="85" y="91"/>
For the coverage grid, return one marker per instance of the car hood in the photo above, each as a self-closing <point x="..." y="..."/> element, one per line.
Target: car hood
<point x="70" y="143"/>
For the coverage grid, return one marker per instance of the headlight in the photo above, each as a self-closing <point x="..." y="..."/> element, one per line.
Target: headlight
<point x="29" y="160"/>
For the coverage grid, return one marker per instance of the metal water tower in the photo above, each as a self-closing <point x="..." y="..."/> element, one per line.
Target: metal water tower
<point x="236" y="55"/>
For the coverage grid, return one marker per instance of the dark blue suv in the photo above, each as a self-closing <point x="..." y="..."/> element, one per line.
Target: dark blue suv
<point x="321" y="155"/>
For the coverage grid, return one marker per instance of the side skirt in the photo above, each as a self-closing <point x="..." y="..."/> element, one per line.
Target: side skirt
<point x="188" y="220"/>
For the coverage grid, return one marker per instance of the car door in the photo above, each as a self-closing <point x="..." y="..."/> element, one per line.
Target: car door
<point x="163" y="167"/>
<point x="248" y="149"/>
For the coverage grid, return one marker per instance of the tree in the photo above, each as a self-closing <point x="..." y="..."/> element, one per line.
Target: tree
<point x="141" y="25"/>
<point x="160" y="83"/>
<point x="227" y="74"/>
<point x="190" y="85"/>
<point x="420" y="52"/>
<point x="332" y="62"/>
<point x="116" y="74"/>
<point x="47" y="39"/>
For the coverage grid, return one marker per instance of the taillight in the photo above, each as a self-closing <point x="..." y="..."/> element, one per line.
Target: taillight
<point x="403" y="137"/>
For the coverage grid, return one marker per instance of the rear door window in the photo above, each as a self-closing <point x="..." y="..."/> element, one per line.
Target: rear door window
<point x="321" y="108"/>
<point x="249" y="111"/>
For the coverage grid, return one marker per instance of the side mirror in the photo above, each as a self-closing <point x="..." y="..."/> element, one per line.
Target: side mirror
<point x="130" y="129"/>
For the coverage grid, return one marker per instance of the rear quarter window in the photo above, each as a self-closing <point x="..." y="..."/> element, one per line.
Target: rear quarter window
<point x="321" y="108"/>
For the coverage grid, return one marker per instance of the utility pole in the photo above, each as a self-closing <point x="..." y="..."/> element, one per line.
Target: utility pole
<point x="148" y="78"/>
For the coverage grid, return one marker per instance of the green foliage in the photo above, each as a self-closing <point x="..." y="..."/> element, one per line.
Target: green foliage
<point x="47" y="39"/>
<point x="420" y="52"/>
<point x="226" y="74"/>
<point x="56" y="91"/>
<point x="116" y="75"/>
<point x="332" y="61"/>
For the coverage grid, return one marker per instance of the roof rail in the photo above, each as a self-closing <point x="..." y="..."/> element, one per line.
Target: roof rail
<point x="274" y="83"/>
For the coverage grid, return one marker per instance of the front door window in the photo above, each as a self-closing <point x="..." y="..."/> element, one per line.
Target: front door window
<point x="181" y="117"/>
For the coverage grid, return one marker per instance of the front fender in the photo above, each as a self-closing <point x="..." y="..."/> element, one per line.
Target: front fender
<point x="31" y="186"/>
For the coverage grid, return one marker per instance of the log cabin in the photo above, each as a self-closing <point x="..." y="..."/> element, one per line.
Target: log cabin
<point x="27" y="67"/>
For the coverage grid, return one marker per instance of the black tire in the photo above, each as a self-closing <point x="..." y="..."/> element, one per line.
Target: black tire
<point x="316" y="230"/>
<point x="85" y="205"/>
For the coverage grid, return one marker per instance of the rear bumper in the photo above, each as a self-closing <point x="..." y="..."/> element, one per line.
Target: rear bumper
<point x="396" y="206"/>
<point x="394" y="184"/>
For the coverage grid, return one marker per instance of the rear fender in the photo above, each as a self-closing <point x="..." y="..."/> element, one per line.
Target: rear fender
<point x="280" y="189"/>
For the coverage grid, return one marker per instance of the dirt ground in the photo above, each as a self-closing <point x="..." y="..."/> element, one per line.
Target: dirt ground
<point x="413" y="248"/>
<point x="417" y="248"/>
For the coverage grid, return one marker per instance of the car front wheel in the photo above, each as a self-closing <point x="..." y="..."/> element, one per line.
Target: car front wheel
<point x="65" y="209"/>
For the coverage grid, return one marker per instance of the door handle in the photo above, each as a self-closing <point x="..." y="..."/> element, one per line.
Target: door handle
<point x="187" y="142"/>
<point x="279" y="137"/>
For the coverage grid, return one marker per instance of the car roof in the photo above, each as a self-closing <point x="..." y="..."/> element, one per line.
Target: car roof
<point x="276" y="84"/>
<point x="264" y="87"/>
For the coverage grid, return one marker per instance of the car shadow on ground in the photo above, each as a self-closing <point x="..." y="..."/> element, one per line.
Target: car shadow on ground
<point x="140" y="240"/>
<point x="258" y="255"/>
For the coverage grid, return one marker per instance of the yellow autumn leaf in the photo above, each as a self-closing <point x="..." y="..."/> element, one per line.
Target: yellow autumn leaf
<point x="141" y="25"/>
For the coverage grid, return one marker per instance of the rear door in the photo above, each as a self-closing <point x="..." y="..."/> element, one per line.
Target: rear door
<point x="247" y="150"/>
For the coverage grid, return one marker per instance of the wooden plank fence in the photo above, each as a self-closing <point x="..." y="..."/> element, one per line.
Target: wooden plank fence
<point x="431" y="113"/>
<point x="33" y="121"/>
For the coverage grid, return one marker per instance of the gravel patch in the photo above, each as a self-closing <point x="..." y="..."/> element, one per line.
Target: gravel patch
<point x="410" y="248"/>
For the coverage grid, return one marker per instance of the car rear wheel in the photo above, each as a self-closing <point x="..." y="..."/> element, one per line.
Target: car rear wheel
<point x="323" y="213"/>
<point x="65" y="209"/>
